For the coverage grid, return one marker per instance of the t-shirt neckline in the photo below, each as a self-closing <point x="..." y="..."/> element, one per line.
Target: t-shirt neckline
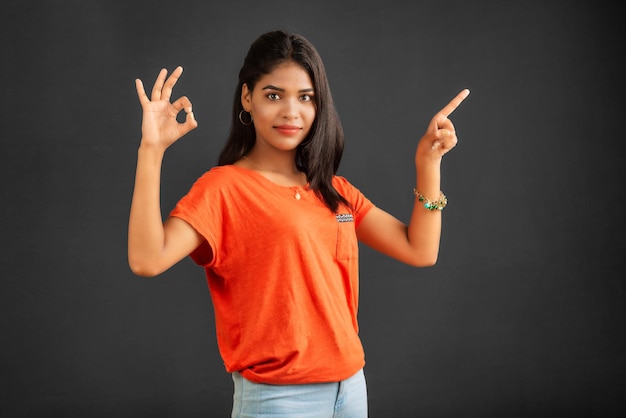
<point x="256" y="174"/>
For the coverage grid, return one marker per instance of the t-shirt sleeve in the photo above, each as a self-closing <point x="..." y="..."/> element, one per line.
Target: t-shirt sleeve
<point x="361" y="205"/>
<point x="201" y="209"/>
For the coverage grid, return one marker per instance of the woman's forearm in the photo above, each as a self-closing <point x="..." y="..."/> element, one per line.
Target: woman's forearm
<point x="424" y="230"/>
<point x="145" y="227"/>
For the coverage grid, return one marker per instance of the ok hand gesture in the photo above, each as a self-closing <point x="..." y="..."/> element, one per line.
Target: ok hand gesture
<point x="159" y="126"/>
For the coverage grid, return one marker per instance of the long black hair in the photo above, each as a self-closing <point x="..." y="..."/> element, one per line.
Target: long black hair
<point x="319" y="155"/>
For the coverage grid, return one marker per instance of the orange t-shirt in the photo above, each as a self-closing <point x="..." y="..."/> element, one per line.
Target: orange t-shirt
<point x="282" y="274"/>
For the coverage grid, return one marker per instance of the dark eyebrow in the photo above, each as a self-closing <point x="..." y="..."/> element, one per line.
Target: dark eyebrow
<point x="270" y="87"/>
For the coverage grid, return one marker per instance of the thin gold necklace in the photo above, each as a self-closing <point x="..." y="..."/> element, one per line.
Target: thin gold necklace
<point x="297" y="195"/>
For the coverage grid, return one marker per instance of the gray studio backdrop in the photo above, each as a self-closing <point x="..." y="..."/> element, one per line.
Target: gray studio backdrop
<point x="523" y="316"/>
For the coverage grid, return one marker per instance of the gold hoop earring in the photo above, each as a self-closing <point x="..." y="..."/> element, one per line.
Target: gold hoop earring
<point x="241" y="118"/>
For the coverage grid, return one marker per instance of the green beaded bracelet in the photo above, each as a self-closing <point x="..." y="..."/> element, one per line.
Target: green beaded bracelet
<point x="436" y="205"/>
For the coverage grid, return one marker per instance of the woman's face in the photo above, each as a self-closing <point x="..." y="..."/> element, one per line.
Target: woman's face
<point x="282" y="106"/>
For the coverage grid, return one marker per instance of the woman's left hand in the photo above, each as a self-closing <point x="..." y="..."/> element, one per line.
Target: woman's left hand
<point x="440" y="136"/>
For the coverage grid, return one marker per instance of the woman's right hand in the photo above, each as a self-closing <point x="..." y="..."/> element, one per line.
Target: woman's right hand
<point x="159" y="126"/>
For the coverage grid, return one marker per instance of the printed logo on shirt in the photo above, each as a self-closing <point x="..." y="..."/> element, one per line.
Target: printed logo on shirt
<point x="344" y="217"/>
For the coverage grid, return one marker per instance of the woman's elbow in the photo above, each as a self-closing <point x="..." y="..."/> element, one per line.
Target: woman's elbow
<point x="142" y="268"/>
<point x="142" y="271"/>
<point x="423" y="260"/>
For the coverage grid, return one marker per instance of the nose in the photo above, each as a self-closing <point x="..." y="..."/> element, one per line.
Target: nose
<point x="291" y="109"/>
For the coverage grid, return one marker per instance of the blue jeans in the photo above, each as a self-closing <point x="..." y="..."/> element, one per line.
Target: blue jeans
<point x="345" y="399"/>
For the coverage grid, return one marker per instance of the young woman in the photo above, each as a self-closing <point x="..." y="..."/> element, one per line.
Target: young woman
<point x="276" y="230"/>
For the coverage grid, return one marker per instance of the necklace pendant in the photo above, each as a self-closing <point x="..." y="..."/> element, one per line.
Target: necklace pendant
<point x="297" y="196"/>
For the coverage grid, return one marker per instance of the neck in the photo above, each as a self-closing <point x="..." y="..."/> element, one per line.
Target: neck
<point x="281" y="171"/>
<point x="280" y="163"/>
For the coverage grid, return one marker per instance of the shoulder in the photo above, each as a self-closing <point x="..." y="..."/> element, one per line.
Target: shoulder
<point x="340" y="182"/>
<point x="219" y="176"/>
<point x="343" y="186"/>
<point x="215" y="191"/>
<point x="212" y="184"/>
<point x="360" y="203"/>
<point x="220" y="172"/>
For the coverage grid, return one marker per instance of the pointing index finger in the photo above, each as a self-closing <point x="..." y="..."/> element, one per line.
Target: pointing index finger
<point x="454" y="103"/>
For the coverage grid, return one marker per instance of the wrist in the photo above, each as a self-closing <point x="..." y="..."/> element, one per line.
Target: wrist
<point x="150" y="155"/>
<point x="146" y="147"/>
<point x="428" y="180"/>
<point x="428" y="162"/>
<point x="436" y="204"/>
<point x="428" y="173"/>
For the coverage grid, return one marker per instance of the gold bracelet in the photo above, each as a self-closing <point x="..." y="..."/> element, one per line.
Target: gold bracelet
<point x="439" y="204"/>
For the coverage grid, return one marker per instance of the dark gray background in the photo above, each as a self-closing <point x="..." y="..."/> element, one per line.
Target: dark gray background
<point x="524" y="314"/>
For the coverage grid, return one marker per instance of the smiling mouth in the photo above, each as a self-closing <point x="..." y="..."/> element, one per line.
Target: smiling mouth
<point x="288" y="129"/>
